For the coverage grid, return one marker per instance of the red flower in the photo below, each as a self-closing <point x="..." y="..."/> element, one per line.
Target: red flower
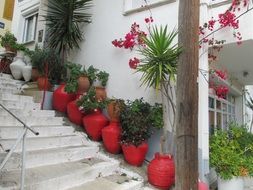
<point x="221" y="74"/>
<point x="221" y="91"/>
<point x="147" y="20"/>
<point x="133" y="63"/>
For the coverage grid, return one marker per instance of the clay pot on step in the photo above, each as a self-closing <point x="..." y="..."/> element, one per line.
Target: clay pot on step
<point x="94" y="123"/>
<point x="62" y="98"/>
<point x="113" y="110"/>
<point x="35" y="74"/>
<point x="111" y="135"/>
<point x="135" y="155"/>
<point x="100" y="93"/>
<point x="43" y="83"/>
<point x="161" y="171"/>
<point x="83" y="84"/>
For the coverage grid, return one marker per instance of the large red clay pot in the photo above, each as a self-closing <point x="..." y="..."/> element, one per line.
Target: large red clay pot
<point x="135" y="155"/>
<point x="35" y="74"/>
<point x="74" y="114"/>
<point x="62" y="98"/>
<point x="94" y="123"/>
<point x="202" y="186"/>
<point x="161" y="171"/>
<point x="43" y="83"/>
<point x="111" y="135"/>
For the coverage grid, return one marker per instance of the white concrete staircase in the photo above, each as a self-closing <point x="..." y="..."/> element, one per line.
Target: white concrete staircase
<point x="60" y="158"/>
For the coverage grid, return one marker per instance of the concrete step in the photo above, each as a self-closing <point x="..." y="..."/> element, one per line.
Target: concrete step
<point x="16" y="102"/>
<point x="112" y="182"/>
<point x="12" y="132"/>
<point x="14" y="97"/>
<point x="30" y="121"/>
<point x="59" y="176"/>
<point x="31" y="113"/>
<point x="6" y="76"/>
<point x="10" y="90"/>
<point x="40" y="143"/>
<point x="52" y="156"/>
<point x="21" y="106"/>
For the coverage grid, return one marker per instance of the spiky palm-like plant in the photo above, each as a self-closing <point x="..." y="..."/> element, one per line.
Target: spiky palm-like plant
<point x="159" y="69"/>
<point x="63" y="20"/>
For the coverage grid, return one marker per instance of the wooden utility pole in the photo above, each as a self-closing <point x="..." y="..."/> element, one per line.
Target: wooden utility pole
<point x="187" y="97"/>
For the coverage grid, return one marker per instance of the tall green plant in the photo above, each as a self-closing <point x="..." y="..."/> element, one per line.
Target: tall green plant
<point x="160" y="57"/>
<point x="159" y="68"/>
<point x="63" y="21"/>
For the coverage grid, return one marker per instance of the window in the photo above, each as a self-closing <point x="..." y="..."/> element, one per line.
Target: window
<point x="131" y="6"/>
<point x="8" y="9"/>
<point x="221" y="112"/>
<point x="30" y="27"/>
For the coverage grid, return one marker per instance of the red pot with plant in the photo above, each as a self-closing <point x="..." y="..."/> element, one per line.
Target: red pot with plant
<point x="111" y="135"/>
<point x="94" y="123"/>
<point x="61" y="98"/>
<point x="136" y="129"/>
<point x="75" y="115"/>
<point x="161" y="171"/>
<point x="135" y="155"/>
<point x="43" y="83"/>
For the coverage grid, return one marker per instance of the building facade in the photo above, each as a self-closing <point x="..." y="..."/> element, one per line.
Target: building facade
<point x="6" y="13"/>
<point x="112" y="20"/>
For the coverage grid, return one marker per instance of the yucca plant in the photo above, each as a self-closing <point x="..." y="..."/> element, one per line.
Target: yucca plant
<point x="159" y="68"/>
<point x="159" y="64"/>
<point x="63" y="20"/>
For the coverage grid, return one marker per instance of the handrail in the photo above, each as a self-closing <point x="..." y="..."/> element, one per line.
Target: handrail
<point x="22" y="136"/>
<point x="30" y="129"/>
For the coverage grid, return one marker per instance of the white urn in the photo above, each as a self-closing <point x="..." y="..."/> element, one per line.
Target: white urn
<point x="16" y="67"/>
<point x="27" y="72"/>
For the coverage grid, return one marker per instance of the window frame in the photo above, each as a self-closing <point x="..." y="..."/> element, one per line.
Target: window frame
<point x="227" y="109"/>
<point x="34" y="27"/>
<point x="129" y="9"/>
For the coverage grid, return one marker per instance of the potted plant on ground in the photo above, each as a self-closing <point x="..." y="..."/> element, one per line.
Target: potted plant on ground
<point x="8" y="41"/>
<point x="111" y="134"/>
<point x="94" y="121"/>
<point x="100" y="83"/>
<point x="229" y="156"/>
<point x="136" y="129"/>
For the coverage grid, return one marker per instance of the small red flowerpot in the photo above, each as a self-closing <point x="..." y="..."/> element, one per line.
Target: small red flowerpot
<point x="74" y="114"/>
<point x="62" y="98"/>
<point x="135" y="155"/>
<point x="161" y="171"/>
<point x="202" y="186"/>
<point x="94" y="123"/>
<point x="43" y="83"/>
<point x="111" y="135"/>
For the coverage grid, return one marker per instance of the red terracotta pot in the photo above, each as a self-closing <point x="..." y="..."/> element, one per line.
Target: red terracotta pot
<point x="35" y="74"/>
<point x="5" y="66"/>
<point x="94" y="123"/>
<point x="74" y="114"/>
<point x="111" y="135"/>
<point x="43" y="83"/>
<point x="202" y="186"/>
<point x="62" y="98"/>
<point x="135" y="155"/>
<point x="161" y="171"/>
<point x="83" y="84"/>
<point x="113" y="110"/>
<point x="100" y="93"/>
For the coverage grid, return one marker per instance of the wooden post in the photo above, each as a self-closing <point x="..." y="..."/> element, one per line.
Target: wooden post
<point x="187" y="97"/>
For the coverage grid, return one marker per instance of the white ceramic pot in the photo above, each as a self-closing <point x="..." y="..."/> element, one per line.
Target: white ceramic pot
<point x="27" y="72"/>
<point x="236" y="183"/>
<point x="16" y="68"/>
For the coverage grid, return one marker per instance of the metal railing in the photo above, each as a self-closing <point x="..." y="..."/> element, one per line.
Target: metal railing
<point x="21" y="137"/>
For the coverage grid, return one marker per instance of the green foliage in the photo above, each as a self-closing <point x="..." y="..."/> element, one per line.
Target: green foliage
<point x="63" y="20"/>
<point x="88" y="101"/>
<point x="103" y="76"/>
<point x="47" y="58"/>
<point x="231" y="152"/>
<point x="91" y="73"/>
<point x="8" y="39"/>
<point x="75" y="70"/>
<point x="137" y="118"/>
<point x="156" y="116"/>
<point x="160" y="57"/>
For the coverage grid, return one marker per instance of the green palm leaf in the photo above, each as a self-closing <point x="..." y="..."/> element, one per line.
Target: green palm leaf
<point x="160" y="57"/>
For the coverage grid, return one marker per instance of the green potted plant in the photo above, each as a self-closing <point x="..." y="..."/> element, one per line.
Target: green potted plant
<point x="94" y="121"/>
<point x="136" y="129"/>
<point x="8" y="41"/>
<point x="100" y="83"/>
<point x="49" y="67"/>
<point x="230" y="155"/>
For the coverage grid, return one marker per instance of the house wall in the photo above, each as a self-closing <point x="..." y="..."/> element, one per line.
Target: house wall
<point x="6" y="22"/>
<point x="22" y="9"/>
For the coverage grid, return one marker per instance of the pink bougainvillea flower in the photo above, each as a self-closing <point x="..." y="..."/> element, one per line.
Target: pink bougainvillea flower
<point x="221" y="74"/>
<point x="133" y="63"/>
<point x="221" y="91"/>
<point x="147" y="20"/>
